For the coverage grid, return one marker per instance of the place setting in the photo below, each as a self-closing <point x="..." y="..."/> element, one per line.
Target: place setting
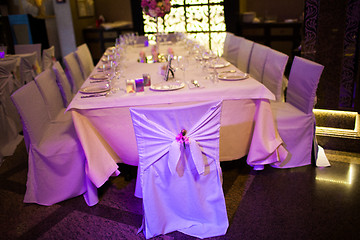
<point x="96" y="90"/>
<point x="232" y="75"/>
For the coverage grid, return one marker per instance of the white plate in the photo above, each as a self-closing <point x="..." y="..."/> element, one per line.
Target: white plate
<point x="98" y="77"/>
<point x="98" y="88"/>
<point x="221" y="65"/>
<point x="167" y="86"/>
<point x="233" y="76"/>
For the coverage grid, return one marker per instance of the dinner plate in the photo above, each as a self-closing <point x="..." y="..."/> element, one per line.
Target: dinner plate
<point x="222" y="65"/>
<point x="233" y="76"/>
<point x="99" y="77"/>
<point x="98" y="88"/>
<point x="167" y="86"/>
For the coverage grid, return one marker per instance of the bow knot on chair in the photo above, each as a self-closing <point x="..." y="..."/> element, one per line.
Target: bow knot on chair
<point x="181" y="138"/>
<point x="175" y="152"/>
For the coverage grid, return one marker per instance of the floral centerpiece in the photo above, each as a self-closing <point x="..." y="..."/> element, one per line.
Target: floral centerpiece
<point x="156" y="8"/>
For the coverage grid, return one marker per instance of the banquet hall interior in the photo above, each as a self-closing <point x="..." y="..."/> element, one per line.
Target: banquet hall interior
<point x="305" y="202"/>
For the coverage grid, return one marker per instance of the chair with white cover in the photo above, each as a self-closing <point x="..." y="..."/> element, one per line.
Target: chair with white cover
<point x="56" y="159"/>
<point x="227" y="41"/>
<point x="73" y="72"/>
<point x="85" y="59"/>
<point x="27" y="67"/>
<point x="231" y="47"/>
<point x="257" y="61"/>
<point x="48" y="57"/>
<point x="294" y="118"/>
<point x="30" y="48"/>
<point x="8" y="71"/>
<point x="179" y="170"/>
<point x="46" y="82"/>
<point x="63" y="83"/>
<point x="244" y="53"/>
<point x="274" y="73"/>
<point x="10" y="124"/>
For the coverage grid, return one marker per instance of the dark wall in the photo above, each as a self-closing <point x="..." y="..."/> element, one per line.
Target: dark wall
<point x="332" y="39"/>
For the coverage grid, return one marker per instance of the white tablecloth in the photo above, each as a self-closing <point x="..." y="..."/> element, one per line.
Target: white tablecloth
<point x="105" y="129"/>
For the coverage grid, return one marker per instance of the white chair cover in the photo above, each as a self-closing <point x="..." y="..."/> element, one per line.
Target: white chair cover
<point x="295" y="123"/>
<point x="303" y="80"/>
<point x="48" y="57"/>
<point x="244" y="53"/>
<point x="181" y="184"/>
<point x="8" y="70"/>
<point x="257" y="61"/>
<point x="85" y="60"/>
<point x="274" y="73"/>
<point x="8" y="84"/>
<point x="227" y="41"/>
<point x="63" y="83"/>
<point x="231" y="46"/>
<point x="46" y="82"/>
<point x="27" y="68"/>
<point x="73" y="72"/>
<point x="56" y="159"/>
<point x="30" y="48"/>
<point x="10" y="124"/>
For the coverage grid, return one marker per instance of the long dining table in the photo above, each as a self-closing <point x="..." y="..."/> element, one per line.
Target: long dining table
<point x="104" y="126"/>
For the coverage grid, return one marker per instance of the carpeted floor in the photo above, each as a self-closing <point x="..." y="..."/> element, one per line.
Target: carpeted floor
<point x="300" y="203"/>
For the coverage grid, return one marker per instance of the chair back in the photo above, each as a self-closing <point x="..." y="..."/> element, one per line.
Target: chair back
<point x="32" y="110"/>
<point x="27" y="67"/>
<point x="274" y="72"/>
<point x="85" y="59"/>
<point x="30" y="48"/>
<point x="46" y="82"/>
<point x="48" y="57"/>
<point x="227" y="41"/>
<point x="303" y="81"/>
<point x="244" y="53"/>
<point x="73" y="72"/>
<point x="231" y="48"/>
<point x="257" y="61"/>
<point x="63" y="83"/>
<point x="8" y="84"/>
<point x="7" y="74"/>
<point x="179" y="149"/>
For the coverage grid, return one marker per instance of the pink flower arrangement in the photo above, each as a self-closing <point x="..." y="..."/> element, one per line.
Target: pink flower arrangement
<point x="181" y="138"/>
<point x="156" y="8"/>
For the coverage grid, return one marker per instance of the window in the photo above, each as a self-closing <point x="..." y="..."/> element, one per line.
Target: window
<point x="202" y="19"/>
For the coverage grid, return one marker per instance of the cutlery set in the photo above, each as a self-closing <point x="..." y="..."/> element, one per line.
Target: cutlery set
<point x="94" y="95"/>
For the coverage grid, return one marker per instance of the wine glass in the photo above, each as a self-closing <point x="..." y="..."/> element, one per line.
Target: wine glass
<point x="183" y="64"/>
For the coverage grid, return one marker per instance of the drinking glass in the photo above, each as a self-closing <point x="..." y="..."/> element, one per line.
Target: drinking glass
<point x="183" y="64"/>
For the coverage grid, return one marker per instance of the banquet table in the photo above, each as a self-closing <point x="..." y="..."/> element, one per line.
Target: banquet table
<point x="104" y="126"/>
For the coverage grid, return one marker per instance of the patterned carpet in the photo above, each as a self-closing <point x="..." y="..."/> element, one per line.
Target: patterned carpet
<point x="270" y="204"/>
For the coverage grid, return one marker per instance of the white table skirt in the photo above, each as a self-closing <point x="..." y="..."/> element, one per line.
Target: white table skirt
<point x="105" y="129"/>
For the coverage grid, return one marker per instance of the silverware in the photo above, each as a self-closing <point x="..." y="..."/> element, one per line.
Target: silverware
<point x="97" y="81"/>
<point x="94" y="95"/>
<point x="195" y="83"/>
<point x="229" y="71"/>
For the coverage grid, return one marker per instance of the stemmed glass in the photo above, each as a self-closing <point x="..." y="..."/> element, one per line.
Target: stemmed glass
<point x="111" y="73"/>
<point x="183" y="64"/>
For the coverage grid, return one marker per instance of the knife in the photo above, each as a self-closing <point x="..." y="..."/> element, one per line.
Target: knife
<point x="93" y="95"/>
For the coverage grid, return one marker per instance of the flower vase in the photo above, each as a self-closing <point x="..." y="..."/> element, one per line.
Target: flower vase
<point x="157" y="38"/>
